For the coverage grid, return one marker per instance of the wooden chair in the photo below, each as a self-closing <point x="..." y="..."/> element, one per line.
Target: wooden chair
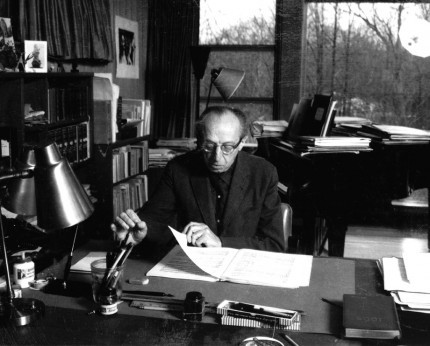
<point x="287" y="221"/>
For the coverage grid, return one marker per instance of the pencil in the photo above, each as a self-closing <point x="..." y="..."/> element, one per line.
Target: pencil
<point x="331" y="303"/>
<point x="290" y="341"/>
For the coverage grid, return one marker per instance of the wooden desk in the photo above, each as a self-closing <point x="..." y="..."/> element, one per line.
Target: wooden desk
<point x="338" y="187"/>
<point x="67" y="321"/>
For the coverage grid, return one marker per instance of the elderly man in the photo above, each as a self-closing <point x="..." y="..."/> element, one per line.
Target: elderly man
<point x="220" y="195"/>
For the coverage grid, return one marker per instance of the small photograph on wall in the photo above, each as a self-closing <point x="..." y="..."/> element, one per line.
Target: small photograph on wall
<point x="36" y="56"/>
<point x="6" y="36"/>
<point x="127" y="48"/>
<point x="8" y="55"/>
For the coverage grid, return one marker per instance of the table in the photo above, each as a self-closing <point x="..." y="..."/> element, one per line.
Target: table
<point x="339" y="186"/>
<point x="67" y="321"/>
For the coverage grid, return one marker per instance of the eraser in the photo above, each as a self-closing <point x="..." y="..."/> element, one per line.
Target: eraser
<point x="138" y="281"/>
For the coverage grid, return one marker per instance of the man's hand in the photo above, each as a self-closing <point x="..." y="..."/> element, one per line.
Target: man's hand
<point x="126" y="222"/>
<point x="200" y="235"/>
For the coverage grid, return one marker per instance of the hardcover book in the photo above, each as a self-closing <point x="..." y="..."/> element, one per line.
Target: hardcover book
<point x="312" y="117"/>
<point x="373" y="317"/>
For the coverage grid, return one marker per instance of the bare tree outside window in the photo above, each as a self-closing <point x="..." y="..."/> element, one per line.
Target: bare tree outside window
<point x="241" y="34"/>
<point x="354" y="51"/>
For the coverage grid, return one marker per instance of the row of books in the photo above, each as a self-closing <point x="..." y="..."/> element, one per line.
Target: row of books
<point x="129" y="160"/>
<point x="408" y="280"/>
<point x="135" y="113"/>
<point x="167" y="149"/>
<point x="68" y="103"/>
<point x="72" y="141"/>
<point x="158" y="157"/>
<point x="131" y="194"/>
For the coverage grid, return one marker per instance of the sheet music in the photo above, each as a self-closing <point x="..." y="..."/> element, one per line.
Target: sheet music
<point x="270" y="269"/>
<point x="395" y="277"/>
<point x="213" y="261"/>
<point x="250" y="266"/>
<point x="177" y="265"/>
<point x="417" y="265"/>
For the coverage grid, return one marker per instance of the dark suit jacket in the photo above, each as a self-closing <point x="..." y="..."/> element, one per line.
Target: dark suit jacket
<point x="252" y="217"/>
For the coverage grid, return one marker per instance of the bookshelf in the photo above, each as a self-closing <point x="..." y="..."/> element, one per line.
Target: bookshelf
<point x="38" y="108"/>
<point x="119" y="179"/>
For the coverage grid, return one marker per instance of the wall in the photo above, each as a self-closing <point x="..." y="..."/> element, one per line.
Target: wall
<point x="136" y="10"/>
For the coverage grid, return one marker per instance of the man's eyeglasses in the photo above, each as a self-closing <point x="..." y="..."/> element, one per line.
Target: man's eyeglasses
<point x="226" y="149"/>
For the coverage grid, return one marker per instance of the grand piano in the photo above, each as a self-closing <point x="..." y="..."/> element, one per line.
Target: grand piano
<point x="329" y="190"/>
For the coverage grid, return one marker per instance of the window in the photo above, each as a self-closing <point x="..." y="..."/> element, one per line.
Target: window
<point x="354" y="50"/>
<point x="241" y="35"/>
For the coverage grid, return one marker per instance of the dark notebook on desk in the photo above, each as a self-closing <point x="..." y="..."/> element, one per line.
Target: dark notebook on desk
<point x="373" y="317"/>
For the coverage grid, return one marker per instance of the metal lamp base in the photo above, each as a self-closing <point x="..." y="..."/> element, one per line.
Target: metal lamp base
<point x="21" y="311"/>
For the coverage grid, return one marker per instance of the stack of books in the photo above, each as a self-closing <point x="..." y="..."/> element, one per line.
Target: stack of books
<point x="181" y="144"/>
<point x="158" y="157"/>
<point x="408" y="280"/>
<point x="273" y="128"/>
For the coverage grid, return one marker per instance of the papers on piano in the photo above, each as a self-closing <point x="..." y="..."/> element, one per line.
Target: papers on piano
<point x="394" y="133"/>
<point x="245" y="266"/>
<point x="408" y="280"/>
<point x="268" y="128"/>
<point x="333" y="144"/>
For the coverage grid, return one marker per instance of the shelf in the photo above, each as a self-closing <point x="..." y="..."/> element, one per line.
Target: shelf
<point x="124" y="142"/>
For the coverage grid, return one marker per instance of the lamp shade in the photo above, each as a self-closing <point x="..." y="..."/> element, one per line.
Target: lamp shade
<point x="61" y="201"/>
<point x="414" y="37"/>
<point x="22" y="199"/>
<point x="227" y="80"/>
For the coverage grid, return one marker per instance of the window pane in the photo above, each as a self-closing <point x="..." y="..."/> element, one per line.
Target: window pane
<point x="237" y="21"/>
<point x="258" y="67"/>
<point x="354" y="51"/>
<point x="253" y="110"/>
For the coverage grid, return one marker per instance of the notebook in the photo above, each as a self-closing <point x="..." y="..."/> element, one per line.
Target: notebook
<point x="370" y="316"/>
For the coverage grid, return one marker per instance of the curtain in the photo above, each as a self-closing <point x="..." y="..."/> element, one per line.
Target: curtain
<point x="173" y="29"/>
<point x="74" y="30"/>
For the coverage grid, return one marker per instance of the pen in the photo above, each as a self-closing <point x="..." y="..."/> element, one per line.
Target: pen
<point x="255" y="309"/>
<point x="332" y="303"/>
<point x="149" y="293"/>
<point x="291" y="341"/>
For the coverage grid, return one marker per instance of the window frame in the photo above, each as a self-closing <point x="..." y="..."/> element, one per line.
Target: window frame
<point x="242" y="48"/>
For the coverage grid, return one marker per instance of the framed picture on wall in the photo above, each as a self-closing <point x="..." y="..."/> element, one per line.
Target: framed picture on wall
<point x="36" y="56"/>
<point x="127" y="48"/>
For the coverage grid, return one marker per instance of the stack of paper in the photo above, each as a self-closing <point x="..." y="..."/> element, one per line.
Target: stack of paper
<point x="160" y="156"/>
<point x="266" y="128"/>
<point x="394" y="133"/>
<point x="332" y="143"/>
<point x="408" y="280"/>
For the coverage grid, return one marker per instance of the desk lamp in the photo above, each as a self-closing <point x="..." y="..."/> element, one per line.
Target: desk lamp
<point x="226" y="80"/>
<point x="61" y="201"/>
<point x="19" y="311"/>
